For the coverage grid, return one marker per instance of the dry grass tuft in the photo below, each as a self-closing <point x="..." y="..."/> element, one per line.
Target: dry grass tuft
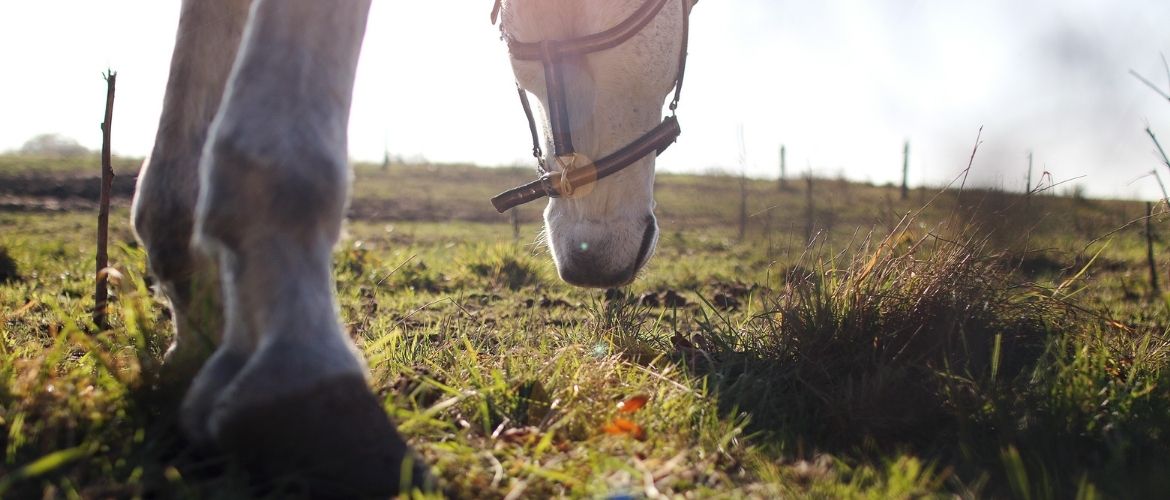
<point x="876" y="350"/>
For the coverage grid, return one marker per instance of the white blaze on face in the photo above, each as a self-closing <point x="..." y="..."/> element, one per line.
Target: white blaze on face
<point x="602" y="236"/>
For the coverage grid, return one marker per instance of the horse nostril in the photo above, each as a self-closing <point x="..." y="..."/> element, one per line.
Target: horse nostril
<point x="583" y="275"/>
<point x="603" y="262"/>
<point x="648" y="238"/>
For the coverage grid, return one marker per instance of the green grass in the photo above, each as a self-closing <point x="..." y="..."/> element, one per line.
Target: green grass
<point x="986" y="345"/>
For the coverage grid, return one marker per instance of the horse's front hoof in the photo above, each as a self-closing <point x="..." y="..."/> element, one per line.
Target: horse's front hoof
<point x="331" y="440"/>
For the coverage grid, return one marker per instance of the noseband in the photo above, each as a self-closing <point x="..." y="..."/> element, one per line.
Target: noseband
<point x="551" y="53"/>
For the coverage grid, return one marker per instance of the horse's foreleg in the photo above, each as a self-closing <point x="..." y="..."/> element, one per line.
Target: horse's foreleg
<point x="275" y="186"/>
<point x="206" y="43"/>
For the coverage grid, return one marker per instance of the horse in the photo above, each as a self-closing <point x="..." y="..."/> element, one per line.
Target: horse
<point x="243" y="196"/>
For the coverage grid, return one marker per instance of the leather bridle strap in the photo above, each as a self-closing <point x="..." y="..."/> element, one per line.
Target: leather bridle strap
<point x="536" y="149"/>
<point x="550" y="183"/>
<point x="596" y="42"/>
<point x="551" y="54"/>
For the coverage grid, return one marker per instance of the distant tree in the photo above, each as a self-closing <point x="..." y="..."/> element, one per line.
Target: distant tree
<point x="54" y="145"/>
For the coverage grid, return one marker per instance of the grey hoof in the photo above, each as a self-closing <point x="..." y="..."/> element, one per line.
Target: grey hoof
<point x="200" y="399"/>
<point x="332" y="440"/>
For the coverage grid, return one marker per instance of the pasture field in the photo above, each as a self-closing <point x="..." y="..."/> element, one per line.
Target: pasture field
<point x="974" y="343"/>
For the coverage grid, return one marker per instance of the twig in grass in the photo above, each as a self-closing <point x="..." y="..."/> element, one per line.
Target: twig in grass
<point x="661" y="377"/>
<point x="396" y="268"/>
<point x="1052" y="184"/>
<point x="402" y="321"/>
<point x="101" y="294"/>
<point x="1098" y="239"/>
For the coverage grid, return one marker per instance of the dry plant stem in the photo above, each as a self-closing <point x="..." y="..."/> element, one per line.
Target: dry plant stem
<point x="1162" y="152"/>
<point x="1165" y="65"/>
<point x="1151" y="84"/>
<point x="101" y="297"/>
<point x="963" y="175"/>
<point x="1165" y="195"/>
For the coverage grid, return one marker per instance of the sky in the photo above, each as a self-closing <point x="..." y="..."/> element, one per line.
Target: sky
<point x="841" y="83"/>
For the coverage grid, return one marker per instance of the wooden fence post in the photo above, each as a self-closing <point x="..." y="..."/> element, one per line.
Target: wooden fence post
<point x="906" y="170"/>
<point x="515" y="216"/>
<point x="810" y="210"/>
<point x="1154" y="289"/>
<point x="783" y="169"/>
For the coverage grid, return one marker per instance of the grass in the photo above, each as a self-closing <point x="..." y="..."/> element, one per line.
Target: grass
<point x="989" y="346"/>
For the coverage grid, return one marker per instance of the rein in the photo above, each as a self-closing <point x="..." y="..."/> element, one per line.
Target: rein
<point x="556" y="183"/>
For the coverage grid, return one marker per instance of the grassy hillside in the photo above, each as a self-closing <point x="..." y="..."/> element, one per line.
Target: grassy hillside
<point x="976" y="343"/>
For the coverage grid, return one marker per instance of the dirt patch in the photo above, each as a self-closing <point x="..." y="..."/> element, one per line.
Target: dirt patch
<point x="61" y="187"/>
<point x="73" y="192"/>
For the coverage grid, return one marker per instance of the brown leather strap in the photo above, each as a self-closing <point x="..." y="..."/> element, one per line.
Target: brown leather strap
<point x="592" y="43"/>
<point x="655" y="141"/>
<point x="537" y="152"/>
<point x="682" y="54"/>
<point x="558" y="104"/>
<point x="551" y="53"/>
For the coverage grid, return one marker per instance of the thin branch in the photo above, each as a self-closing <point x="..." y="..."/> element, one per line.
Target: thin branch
<point x="1150" y="84"/>
<point x="101" y="292"/>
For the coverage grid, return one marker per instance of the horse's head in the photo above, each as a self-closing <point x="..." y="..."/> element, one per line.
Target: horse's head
<point x="601" y="233"/>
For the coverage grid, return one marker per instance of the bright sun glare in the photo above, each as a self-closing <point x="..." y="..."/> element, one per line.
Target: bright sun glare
<point x="841" y="84"/>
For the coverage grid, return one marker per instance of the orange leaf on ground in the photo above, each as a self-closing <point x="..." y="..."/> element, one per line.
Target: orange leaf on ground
<point x="633" y="404"/>
<point x="621" y="426"/>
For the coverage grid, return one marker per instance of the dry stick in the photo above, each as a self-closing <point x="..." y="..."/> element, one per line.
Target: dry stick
<point x="101" y="297"/>
<point x="1154" y="290"/>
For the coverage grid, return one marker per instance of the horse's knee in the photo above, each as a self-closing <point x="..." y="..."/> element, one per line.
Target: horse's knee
<point x="163" y="215"/>
<point x="285" y="187"/>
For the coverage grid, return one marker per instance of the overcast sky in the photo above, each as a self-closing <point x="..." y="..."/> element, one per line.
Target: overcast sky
<point x="841" y="83"/>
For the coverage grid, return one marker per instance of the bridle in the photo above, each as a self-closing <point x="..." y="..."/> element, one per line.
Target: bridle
<point x="550" y="53"/>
